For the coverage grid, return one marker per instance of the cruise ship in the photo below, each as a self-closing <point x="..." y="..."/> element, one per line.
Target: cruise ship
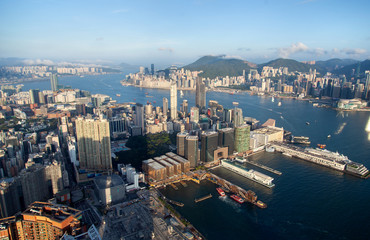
<point x="326" y="158"/>
<point x="249" y="173"/>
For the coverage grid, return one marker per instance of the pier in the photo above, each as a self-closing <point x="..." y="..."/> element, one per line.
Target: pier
<point x="264" y="167"/>
<point x="174" y="186"/>
<point x="203" y="198"/>
<point x="174" y="202"/>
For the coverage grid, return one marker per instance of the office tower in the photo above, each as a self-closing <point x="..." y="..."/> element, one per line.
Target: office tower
<point x="139" y="117"/>
<point x="200" y="95"/>
<point x="54" y="82"/>
<point x="242" y="135"/>
<point x="194" y="114"/>
<point x="238" y="119"/>
<point x="93" y="141"/>
<point x="226" y="139"/>
<point x="117" y="125"/>
<point x="44" y="220"/>
<point x="185" y="107"/>
<point x="180" y="143"/>
<point x="152" y="69"/>
<point x="173" y="97"/>
<point x="209" y="142"/>
<point x="191" y="150"/>
<point x="41" y="98"/>
<point x="367" y="84"/>
<point x="34" y="96"/>
<point x="165" y="106"/>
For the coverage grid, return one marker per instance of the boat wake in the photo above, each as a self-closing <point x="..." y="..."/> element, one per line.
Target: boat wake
<point x="236" y="206"/>
<point x="340" y="129"/>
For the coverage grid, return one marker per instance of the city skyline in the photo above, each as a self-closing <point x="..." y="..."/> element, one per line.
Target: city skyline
<point x="178" y="33"/>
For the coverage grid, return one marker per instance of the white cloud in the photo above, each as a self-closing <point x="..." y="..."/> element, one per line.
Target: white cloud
<point x="164" y="49"/>
<point x="353" y="51"/>
<point x="294" y="48"/>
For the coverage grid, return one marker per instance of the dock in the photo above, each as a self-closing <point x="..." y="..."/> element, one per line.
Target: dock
<point x="183" y="184"/>
<point x="264" y="167"/>
<point x="174" y="186"/>
<point x="203" y="198"/>
<point x="174" y="202"/>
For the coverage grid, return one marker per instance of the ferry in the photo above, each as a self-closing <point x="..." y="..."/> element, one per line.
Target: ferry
<point x="237" y="198"/>
<point x="261" y="204"/>
<point x="221" y="192"/>
<point x="118" y="95"/>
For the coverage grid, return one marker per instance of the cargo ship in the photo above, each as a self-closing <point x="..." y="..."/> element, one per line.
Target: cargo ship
<point x="221" y="192"/>
<point x="251" y="174"/>
<point x="237" y="198"/>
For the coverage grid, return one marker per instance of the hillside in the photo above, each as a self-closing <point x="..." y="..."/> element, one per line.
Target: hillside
<point x="335" y="63"/>
<point x="354" y="70"/>
<point x="213" y="66"/>
<point x="292" y="65"/>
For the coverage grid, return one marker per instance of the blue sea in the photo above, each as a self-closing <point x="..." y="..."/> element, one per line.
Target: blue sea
<point x="308" y="201"/>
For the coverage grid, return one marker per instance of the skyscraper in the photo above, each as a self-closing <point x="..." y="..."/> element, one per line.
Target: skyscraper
<point x="180" y="143"/>
<point x="367" y="84"/>
<point x="54" y="82"/>
<point x="152" y="69"/>
<point x="185" y="107"/>
<point x="200" y="95"/>
<point x="93" y="141"/>
<point x="242" y="135"/>
<point x="194" y="114"/>
<point x="139" y="117"/>
<point x="173" y="94"/>
<point x="191" y="150"/>
<point x="226" y="139"/>
<point x="238" y="119"/>
<point x="34" y="96"/>
<point x="165" y="106"/>
<point x="209" y="144"/>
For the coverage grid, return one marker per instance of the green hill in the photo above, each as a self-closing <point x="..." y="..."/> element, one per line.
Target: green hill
<point x="354" y="70"/>
<point x="335" y="63"/>
<point x="214" y="66"/>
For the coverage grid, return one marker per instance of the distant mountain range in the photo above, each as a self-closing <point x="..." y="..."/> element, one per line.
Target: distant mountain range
<point x="213" y="66"/>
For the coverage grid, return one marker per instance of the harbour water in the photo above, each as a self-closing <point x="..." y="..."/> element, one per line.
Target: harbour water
<point x="308" y="201"/>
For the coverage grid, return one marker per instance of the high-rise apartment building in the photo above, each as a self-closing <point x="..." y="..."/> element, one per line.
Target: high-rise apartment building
<point x="194" y="114"/>
<point x="209" y="142"/>
<point x="242" y="135"/>
<point x="54" y="82"/>
<point x="226" y="139"/>
<point x="180" y="143"/>
<point x="200" y="95"/>
<point x="93" y="141"/>
<point x="173" y="97"/>
<point x="191" y="150"/>
<point x="238" y="119"/>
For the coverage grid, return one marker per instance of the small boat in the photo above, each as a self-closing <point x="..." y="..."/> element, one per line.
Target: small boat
<point x="181" y="93"/>
<point x="221" y="192"/>
<point x="272" y="99"/>
<point x="307" y="123"/>
<point x="322" y="146"/>
<point x="237" y="198"/>
<point x="146" y="93"/>
<point x="329" y="136"/>
<point x="279" y="104"/>
<point x="231" y="93"/>
<point x="118" y="95"/>
<point x="261" y="204"/>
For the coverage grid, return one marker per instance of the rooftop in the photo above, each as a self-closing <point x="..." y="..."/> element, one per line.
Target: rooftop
<point x="108" y="181"/>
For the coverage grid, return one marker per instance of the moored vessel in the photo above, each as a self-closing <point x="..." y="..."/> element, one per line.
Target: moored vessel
<point x="322" y="146"/>
<point x="221" y="192"/>
<point x="261" y="204"/>
<point x="237" y="198"/>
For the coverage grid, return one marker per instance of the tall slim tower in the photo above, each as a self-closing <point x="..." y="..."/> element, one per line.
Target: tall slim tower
<point x="200" y="95"/>
<point x="165" y="106"/>
<point x="93" y="140"/>
<point x="54" y="82"/>
<point x="191" y="150"/>
<point x="173" y="94"/>
<point x="367" y="84"/>
<point x="34" y="96"/>
<point x="139" y="116"/>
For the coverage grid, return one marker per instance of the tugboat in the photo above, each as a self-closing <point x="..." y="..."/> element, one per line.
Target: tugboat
<point x="261" y="204"/>
<point x="221" y="192"/>
<point x="237" y="199"/>
<point x="322" y="146"/>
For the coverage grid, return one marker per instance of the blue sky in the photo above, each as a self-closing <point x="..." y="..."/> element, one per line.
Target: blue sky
<point x="178" y="32"/>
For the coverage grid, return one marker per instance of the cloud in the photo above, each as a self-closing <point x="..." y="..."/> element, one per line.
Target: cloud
<point x="232" y="57"/>
<point x="353" y="51"/>
<point x="164" y="49"/>
<point x="99" y="39"/>
<point x="38" y="62"/>
<point x="243" y="49"/>
<point x="294" y="48"/>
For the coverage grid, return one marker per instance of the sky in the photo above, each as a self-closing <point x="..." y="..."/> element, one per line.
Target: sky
<point x="180" y="31"/>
